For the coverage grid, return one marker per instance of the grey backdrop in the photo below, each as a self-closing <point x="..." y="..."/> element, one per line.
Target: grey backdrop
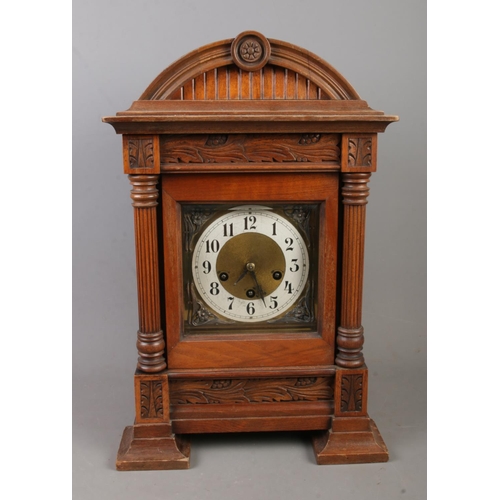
<point x="119" y="48"/>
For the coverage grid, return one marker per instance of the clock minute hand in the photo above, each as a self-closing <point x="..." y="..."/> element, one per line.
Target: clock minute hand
<point x="259" y="288"/>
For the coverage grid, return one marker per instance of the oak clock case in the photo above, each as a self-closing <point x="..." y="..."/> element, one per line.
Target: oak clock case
<point x="249" y="161"/>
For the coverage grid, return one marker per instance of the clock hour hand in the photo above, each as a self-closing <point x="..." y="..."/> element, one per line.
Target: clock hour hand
<point x="243" y="274"/>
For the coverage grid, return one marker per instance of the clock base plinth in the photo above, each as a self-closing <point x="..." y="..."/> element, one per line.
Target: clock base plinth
<point x="350" y="441"/>
<point x="152" y="447"/>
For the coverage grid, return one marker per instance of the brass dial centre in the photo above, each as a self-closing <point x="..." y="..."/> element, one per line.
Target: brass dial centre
<point x="248" y="257"/>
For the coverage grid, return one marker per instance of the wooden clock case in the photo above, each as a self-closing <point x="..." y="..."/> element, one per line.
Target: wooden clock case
<point x="249" y="120"/>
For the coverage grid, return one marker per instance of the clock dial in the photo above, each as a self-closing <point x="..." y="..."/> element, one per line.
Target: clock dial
<point x="250" y="264"/>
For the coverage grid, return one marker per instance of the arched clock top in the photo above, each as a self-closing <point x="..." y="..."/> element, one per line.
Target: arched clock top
<point x="249" y="84"/>
<point x="250" y="66"/>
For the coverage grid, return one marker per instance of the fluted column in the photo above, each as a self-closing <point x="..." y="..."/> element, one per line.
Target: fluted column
<point x="350" y="332"/>
<point x="150" y="339"/>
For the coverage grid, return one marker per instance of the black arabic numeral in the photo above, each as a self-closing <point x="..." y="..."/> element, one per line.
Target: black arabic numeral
<point x="214" y="288"/>
<point x="289" y="242"/>
<point x="250" y="222"/>
<point x="213" y="246"/>
<point x="295" y="267"/>
<point x="207" y="266"/>
<point x="274" y="302"/>
<point x="251" y="308"/>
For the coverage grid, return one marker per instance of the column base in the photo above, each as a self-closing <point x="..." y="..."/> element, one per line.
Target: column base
<point x="350" y="441"/>
<point x="152" y="447"/>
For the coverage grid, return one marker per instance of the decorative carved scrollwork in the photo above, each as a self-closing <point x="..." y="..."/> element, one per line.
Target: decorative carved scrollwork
<point x="250" y="390"/>
<point x="253" y="148"/>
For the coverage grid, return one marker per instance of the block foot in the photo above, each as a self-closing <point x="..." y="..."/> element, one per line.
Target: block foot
<point x="152" y="447"/>
<point x="350" y="441"/>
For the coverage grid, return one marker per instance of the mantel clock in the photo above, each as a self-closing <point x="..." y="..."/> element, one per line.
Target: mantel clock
<point x="249" y="161"/>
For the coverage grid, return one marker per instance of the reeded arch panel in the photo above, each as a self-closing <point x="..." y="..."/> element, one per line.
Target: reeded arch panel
<point x="250" y="67"/>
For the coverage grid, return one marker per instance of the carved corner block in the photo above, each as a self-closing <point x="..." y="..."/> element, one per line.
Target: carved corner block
<point x="141" y="154"/>
<point x="359" y="153"/>
<point x="151" y="398"/>
<point x="351" y="392"/>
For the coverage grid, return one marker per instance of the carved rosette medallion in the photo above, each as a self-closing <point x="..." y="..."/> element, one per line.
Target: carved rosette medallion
<point x="250" y="51"/>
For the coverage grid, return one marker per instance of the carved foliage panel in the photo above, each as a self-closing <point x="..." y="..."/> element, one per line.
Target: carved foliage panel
<point x="151" y="395"/>
<point x="141" y="154"/>
<point x="254" y="148"/>
<point x="351" y="392"/>
<point x="151" y="399"/>
<point x="359" y="153"/>
<point x="220" y="391"/>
